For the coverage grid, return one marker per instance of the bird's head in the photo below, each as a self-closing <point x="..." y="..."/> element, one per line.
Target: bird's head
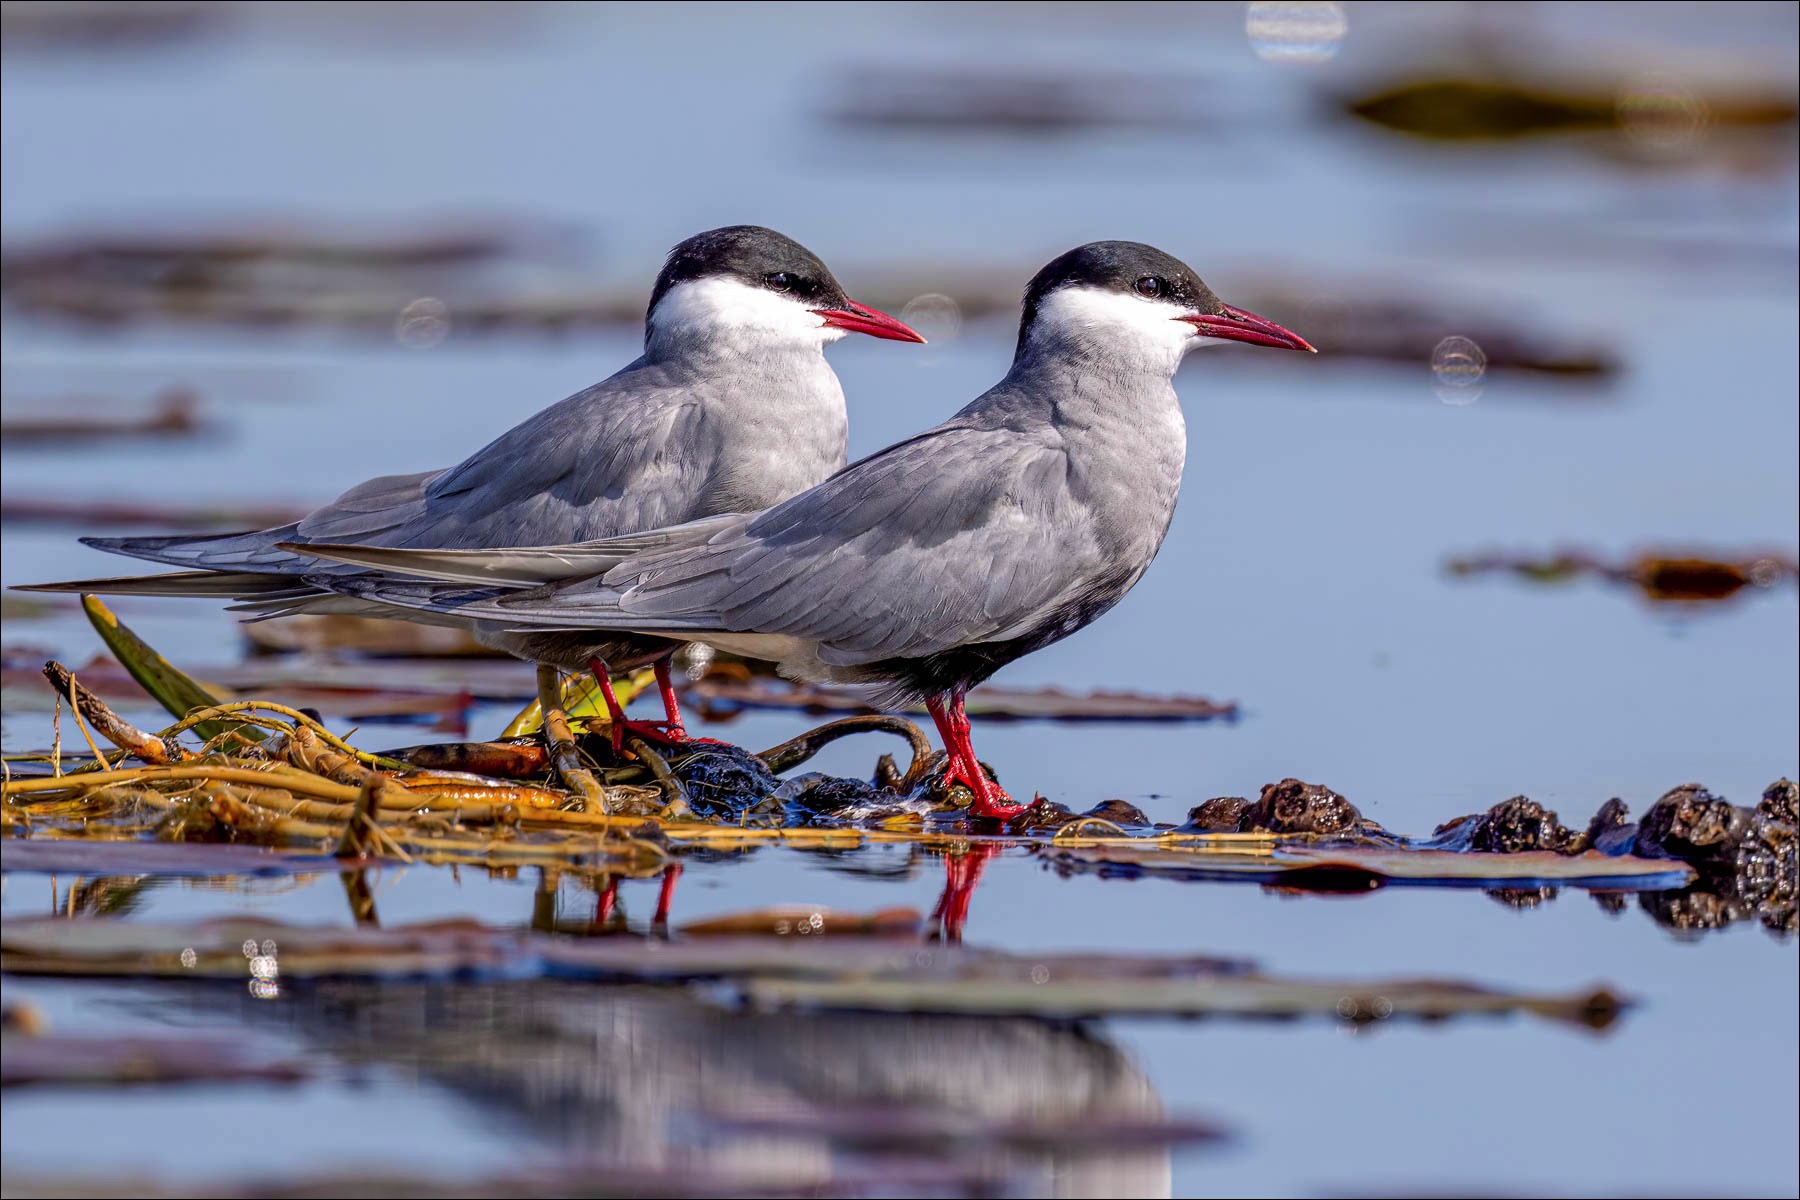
<point x="747" y="287"/>
<point x="1129" y="301"/>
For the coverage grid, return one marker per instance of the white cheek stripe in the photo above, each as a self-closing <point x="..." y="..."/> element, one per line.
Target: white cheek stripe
<point x="1126" y="321"/>
<point x="721" y="306"/>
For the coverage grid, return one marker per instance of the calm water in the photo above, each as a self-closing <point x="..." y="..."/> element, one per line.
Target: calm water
<point x="1302" y="576"/>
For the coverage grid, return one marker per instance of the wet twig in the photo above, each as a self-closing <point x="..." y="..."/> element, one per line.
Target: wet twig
<point x="678" y="802"/>
<point x="146" y="747"/>
<point x="795" y="751"/>
<point x="566" y="757"/>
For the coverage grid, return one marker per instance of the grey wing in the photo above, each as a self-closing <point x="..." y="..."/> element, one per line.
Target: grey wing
<point x="960" y="535"/>
<point x="615" y="458"/>
<point x="367" y="510"/>
<point x="629" y="454"/>
<point x="519" y="566"/>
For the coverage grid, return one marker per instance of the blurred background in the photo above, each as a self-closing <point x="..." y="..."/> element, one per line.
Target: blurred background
<point x="1526" y="524"/>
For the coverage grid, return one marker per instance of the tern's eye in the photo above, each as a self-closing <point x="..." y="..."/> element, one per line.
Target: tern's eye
<point x="782" y="281"/>
<point x="1150" y="285"/>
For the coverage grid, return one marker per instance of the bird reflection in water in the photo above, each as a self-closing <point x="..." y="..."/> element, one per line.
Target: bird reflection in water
<point x="639" y="1078"/>
<point x="963" y="868"/>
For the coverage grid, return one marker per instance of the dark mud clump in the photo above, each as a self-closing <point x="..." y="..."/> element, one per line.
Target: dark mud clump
<point x="1692" y="824"/>
<point x="1609" y="832"/>
<point x="828" y="796"/>
<point x="1121" y="813"/>
<point x="1221" y="814"/>
<point x="723" y="781"/>
<point x="1767" y="870"/>
<point x="1290" y="807"/>
<point x="1780" y="802"/>
<point x="1521" y="898"/>
<point x="1746" y="858"/>
<point x="1512" y="827"/>
<point x="1047" y="815"/>
<point x="1295" y="807"/>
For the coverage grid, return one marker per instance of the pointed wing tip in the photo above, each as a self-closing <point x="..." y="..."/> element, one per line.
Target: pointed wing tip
<point x="82" y="587"/>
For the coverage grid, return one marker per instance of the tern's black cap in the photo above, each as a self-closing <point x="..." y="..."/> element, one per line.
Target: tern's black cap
<point x="1119" y="267"/>
<point x="757" y="256"/>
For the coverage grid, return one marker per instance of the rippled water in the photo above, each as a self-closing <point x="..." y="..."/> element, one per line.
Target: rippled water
<point x="1302" y="576"/>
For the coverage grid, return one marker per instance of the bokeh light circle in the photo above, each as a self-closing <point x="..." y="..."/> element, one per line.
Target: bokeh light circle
<point x="422" y="324"/>
<point x="937" y="317"/>
<point x="1660" y="114"/>
<point x="1295" y="32"/>
<point x="1459" y="364"/>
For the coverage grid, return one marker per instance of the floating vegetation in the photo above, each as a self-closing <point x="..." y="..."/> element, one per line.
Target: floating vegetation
<point x="1697" y="862"/>
<point x="1498" y="107"/>
<point x="428" y="289"/>
<point x="722" y="695"/>
<point x="1390" y="323"/>
<point x="233" y="774"/>
<point x="416" y="288"/>
<point x="346" y="671"/>
<point x="174" y="412"/>
<point x="1015" y="100"/>
<point x="87" y="514"/>
<point x="40" y="1059"/>
<point x="891" y="974"/>
<point x="321" y="633"/>
<point x="1662" y="576"/>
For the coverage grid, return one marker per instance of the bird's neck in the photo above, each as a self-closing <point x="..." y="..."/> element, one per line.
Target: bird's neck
<point x="1092" y="384"/>
<point x="1123" y="361"/>
<point x="717" y="353"/>
<point x="1120" y="424"/>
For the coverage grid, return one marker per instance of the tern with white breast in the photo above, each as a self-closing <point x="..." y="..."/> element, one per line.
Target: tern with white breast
<point x="921" y="570"/>
<point x="731" y="408"/>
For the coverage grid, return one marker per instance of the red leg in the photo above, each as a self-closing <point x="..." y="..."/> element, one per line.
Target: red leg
<point x="671" y="706"/>
<point x="615" y="711"/>
<point x="669" y="731"/>
<point x="674" y="731"/>
<point x="666" y="897"/>
<point x="991" y="800"/>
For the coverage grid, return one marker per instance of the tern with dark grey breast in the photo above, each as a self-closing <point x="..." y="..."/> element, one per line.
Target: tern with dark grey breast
<point x="731" y="408"/>
<point x="921" y="570"/>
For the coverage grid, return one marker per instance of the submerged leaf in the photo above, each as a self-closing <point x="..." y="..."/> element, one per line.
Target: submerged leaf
<point x="799" y="920"/>
<point x="863" y="974"/>
<point x="110" y="1061"/>
<point x="1045" y="993"/>
<point x="1203" y="857"/>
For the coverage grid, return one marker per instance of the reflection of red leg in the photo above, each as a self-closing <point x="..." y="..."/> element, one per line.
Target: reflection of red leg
<point x="609" y="896"/>
<point x="671" y="873"/>
<point x="962" y="872"/>
<point x="991" y="799"/>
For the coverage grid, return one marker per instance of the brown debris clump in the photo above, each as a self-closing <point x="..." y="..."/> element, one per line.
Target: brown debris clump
<point x="1692" y="824"/>
<point x="1295" y="807"/>
<point x="1289" y="807"/>
<point x="1520" y="824"/>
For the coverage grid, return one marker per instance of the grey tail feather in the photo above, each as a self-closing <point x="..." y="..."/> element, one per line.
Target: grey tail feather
<point x="525" y="567"/>
<point x="514" y="566"/>
<point x="225" y="584"/>
<point x="156" y="549"/>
